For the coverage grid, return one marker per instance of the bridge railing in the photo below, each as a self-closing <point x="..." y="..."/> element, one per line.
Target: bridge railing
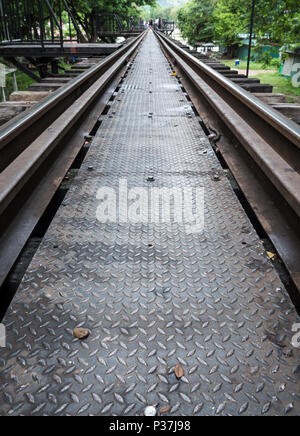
<point x="41" y="22"/>
<point x="115" y="25"/>
<point x="167" y="27"/>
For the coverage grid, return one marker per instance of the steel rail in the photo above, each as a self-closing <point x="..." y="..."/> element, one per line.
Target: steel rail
<point x="282" y="124"/>
<point x="19" y="133"/>
<point x="260" y="146"/>
<point x="29" y="182"/>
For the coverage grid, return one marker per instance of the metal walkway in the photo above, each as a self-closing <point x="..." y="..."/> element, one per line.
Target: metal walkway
<point x="151" y="295"/>
<point x="51" y="50"/>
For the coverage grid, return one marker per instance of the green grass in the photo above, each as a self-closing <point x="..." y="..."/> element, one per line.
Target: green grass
<point x="281" y="85"/>
<point x="22" y="79"/>
<point x="243" y="65"/>
<point x="23" y="83"/>
<point x="65" y="65"/>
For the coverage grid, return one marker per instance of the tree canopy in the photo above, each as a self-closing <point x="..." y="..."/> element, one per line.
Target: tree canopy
<point x="196" y="21"/>
<point x="276" y="21"/>
<point x="85" y="11"/>
<point x="167" y="13"/>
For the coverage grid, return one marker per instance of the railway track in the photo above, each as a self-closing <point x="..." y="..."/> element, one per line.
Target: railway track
<point x="260" y="146"/>
<point x="38" y="148"/>
<point x="151" y="296"/>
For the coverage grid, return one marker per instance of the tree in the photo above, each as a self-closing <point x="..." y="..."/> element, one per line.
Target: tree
<point x="276" y="21"/>
<point x="231" y="18"/>
<point x="167" y="13"/>
<point x="84" y="12"/>
<point x="195" y="21"/>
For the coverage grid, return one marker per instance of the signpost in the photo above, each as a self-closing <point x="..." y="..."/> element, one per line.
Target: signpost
<point x="251" y="34"/>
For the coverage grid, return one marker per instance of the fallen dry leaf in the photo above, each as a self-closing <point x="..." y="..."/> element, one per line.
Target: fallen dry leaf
<point x="165" y="409"/>
<point x="81" y="333"/>
<point x="179" y="372"/>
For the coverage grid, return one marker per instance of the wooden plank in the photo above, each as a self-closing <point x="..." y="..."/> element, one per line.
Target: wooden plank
<point x="290" y="110"/>
<point x="271" y="98"/>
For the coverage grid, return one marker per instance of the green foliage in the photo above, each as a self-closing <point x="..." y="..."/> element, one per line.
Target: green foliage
<point x="23" y="82"/>
<point x="281" y="85"/>
<point x="84" y="11"/>
<point x="196" y="21"/>
<point x="167" y="13"/>
<point x="22" y="79"/>
<point x="243" y="65"/>
<point x="263" y="56"/>
<point x="276" y="21"/>
<point x="276" y="63"/>
<point x="166" y="9"/>
<point x="266" y="59"/>
<point x="231" y="19"/>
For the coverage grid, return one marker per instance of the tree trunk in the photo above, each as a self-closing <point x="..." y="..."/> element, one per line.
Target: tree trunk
<point x="231" y="51"/>
<point x="93" y="26"/>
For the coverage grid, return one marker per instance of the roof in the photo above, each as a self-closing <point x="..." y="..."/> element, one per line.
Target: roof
<point x="295" y="49"/>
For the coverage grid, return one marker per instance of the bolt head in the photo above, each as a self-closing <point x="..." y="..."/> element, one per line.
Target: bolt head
<point x="150" y="411"/>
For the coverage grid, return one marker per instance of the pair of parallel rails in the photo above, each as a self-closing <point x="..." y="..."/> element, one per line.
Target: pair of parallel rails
<point x="260" y="146"/>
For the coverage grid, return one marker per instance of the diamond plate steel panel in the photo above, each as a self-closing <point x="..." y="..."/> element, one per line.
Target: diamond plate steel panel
<point x="152" y="295"/>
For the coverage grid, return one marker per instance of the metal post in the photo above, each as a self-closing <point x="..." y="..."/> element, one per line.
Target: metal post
<point x="80" y="37"/>
<point x="54" y="66"/>
<point x="61" y="26"/>
<point x="3" y="94"/>
<point x="41" y="23"/>
<point x="5" y="22"/>
<point x="250" y="37"/>
<point x="15" y="83"/>
<point x="57" y="22"/>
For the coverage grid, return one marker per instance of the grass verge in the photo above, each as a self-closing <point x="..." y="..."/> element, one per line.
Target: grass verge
<point x="281" y="85"/>
<point x="243" y="65"/>
<point x="23" y="80"/>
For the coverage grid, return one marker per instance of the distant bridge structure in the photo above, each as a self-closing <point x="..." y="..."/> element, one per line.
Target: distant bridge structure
<point x="165" y="26"/>
<point x="113" y="25"/>
<point x="40" y="31"/>
<point x="39" y="22"/>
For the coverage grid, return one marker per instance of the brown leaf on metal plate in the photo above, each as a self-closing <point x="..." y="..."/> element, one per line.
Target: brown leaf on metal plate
<point x="179" y="372"/>
<point x="165" y="409"/>
<point x="81" y="333"/>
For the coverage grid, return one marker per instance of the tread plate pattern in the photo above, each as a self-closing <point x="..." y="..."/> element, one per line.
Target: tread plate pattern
<point x="211" y="301"/>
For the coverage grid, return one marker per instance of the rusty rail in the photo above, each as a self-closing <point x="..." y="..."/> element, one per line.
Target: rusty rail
<point x="260" y="146"/>
<point x="39" y="148"/>
<point x="16" y="137"/>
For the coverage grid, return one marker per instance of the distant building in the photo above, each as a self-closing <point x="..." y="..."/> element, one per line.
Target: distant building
<point x="206" y="47"/>
<point x="242" y="50"/>
<point x="292" y="57"/>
